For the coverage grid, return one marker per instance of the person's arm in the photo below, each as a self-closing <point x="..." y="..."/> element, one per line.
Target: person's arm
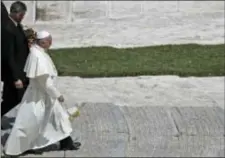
<point x="10" y="55"/>
<point x="46" y="83"/>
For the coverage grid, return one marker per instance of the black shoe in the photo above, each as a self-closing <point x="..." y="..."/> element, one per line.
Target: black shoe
<point x="68" y="144"/>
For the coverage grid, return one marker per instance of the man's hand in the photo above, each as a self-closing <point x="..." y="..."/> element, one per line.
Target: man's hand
<point x="61" y="99"/>
<point x="18" y="84"/>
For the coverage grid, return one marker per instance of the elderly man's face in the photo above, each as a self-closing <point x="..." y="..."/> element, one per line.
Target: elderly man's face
<point x="46" y="43"/>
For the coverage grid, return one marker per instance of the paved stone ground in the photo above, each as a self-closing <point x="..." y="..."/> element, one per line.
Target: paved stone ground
<point x="143" y="116"/>
<point x="109" y="130"/>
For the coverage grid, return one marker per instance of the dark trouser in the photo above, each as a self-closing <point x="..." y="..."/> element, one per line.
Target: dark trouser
<point x="11" y="97"/>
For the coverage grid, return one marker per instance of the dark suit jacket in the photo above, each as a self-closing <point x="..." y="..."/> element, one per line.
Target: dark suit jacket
<point x="14" y="52"/>
<point x="4" y="13"/>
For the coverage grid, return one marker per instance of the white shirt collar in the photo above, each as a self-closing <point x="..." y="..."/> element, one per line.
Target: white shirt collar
<point x="13" y="21"/>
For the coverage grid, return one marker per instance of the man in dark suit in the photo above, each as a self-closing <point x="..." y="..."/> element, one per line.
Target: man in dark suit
<point x="14" y="54"/>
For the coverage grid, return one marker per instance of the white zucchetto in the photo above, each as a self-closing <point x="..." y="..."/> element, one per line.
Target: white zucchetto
<point x="42" y="34"/>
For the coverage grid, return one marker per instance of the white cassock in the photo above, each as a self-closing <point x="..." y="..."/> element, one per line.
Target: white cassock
<point x="41" y="119"/>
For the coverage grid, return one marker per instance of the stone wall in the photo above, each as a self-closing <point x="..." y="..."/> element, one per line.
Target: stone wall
<point x="68" y="11"/>
<point x="128" y="23"/>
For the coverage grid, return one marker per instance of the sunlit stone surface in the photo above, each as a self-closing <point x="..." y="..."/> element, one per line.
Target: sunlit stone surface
<point x="143" y="116"/>
<point x="126" y="23"/>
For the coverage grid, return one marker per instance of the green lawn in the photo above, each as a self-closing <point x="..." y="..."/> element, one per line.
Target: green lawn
<point x="182" y="60"/>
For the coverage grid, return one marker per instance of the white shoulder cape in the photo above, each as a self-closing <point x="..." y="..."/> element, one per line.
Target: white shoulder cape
<point x="39" y="63"/>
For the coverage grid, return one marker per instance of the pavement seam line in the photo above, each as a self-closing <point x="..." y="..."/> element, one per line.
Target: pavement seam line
<point x="128" y="130"/>
<point x="171" y="116"/>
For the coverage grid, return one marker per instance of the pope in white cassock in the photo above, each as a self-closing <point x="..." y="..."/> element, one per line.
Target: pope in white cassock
<point x="41" y="119"/>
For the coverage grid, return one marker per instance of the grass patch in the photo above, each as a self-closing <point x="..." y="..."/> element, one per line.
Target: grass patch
<point x="181" y="60"/>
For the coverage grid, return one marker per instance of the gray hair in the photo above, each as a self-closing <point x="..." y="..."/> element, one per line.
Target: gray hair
<point x="18" y="7"/>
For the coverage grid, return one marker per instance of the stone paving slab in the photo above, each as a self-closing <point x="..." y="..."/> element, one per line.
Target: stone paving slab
<point x="101" y="145"/>
<point x="48" y="154"/>
<point x="144" y="121"/>
<point x="101" y="117"/>
<point x="189" y="146"/>
<point x="166" y="91"/>
<point x="105" y="129"/>
<point x="167" y="146"/>
<point x="199" y="121"/>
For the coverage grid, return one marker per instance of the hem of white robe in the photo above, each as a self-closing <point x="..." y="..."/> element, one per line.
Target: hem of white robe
<point x="40" y="147"/>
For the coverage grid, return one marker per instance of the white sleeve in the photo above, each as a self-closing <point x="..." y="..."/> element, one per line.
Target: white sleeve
<point x="46" y="83"/>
